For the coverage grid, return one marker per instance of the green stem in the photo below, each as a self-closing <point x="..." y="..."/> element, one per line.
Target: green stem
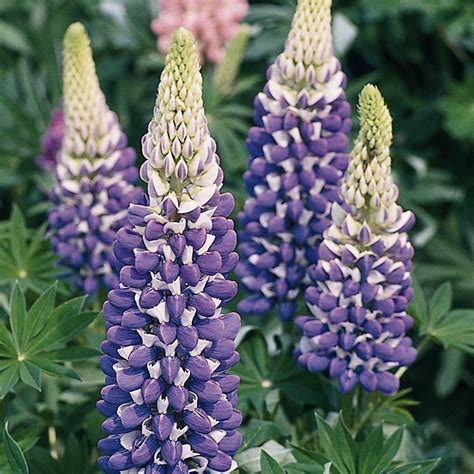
<point x="373" y="404"/>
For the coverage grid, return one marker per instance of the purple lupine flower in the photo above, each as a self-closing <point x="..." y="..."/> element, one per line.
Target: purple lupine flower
<point x="168" y="399"/>
<point x="361" y="285"/>
<point x="51" y="141"/>
<point x="94" y="173"/>
<point x="298" y="154"/>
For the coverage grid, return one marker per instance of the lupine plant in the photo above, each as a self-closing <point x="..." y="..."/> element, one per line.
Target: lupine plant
<point x="298" y="153"/>
<point x="93" y="175"/>
<point x="213" y="22"/>
<point x="361" y="285"/>
<point x="169" y="401"/>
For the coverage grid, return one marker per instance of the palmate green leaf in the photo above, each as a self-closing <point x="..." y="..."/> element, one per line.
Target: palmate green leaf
<point x="26" y="256"/>
<point x="268" y="465"/>
<point x="456" y="330"/>
<point x="338" y="445"/>
<point x="260" y="374"/>
<point x="450" y="328"/>
<point x="63" y="325"/>
<point x="39" y="339"/>
<point x="15" y="457"/>
<point x="66" y="329"/>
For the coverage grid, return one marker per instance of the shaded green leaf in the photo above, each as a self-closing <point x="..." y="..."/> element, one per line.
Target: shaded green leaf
<point x="18" y="315"/>
<point x="30" y="374"/>
<point x="15" y="457"/>
<point x="74" y="353"/>
<point x="55" y="369"/>
<point x="8" y="379"/>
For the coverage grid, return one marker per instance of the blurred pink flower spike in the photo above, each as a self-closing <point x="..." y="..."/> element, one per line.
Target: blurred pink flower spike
<point x="212" y="22"/>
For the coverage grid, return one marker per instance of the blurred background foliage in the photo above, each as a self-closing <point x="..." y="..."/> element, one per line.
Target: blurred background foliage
<point x="419" y="52"/>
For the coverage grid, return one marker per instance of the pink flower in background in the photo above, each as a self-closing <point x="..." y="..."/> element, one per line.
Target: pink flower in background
<point x="213" y="23"/>
<point x="51" y="141"/>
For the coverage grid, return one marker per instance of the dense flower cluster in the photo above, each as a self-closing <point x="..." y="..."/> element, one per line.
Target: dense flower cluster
<point x="298" y="154"/>
<point x="51" y="141"/>
<point x="361" y="286"/>
<point x="213" y="23"/>
<point x="93" y="174"/>
<point x="168" y="397"/>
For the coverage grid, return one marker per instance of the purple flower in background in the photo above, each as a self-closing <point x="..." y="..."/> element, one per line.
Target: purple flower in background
<point x="93" y="175"/>
<point x="168" y="399"/>
<point x="361" y="285"/>
<point x="298" y="154"/>
<point x="51" y="141"/>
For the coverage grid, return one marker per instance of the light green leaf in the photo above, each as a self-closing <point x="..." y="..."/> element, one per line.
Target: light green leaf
<point x="15" y="457"/>
<point x="268" y="465"/>
<point x="13" y="38"/>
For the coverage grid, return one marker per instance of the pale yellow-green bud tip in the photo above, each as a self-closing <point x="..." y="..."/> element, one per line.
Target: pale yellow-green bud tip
<point x="84" y="103"/>
<point x="368" y="184"/>
<point x="375" y="119"/>
<point x="183" y="53"/>
<point x="310" y="38"/>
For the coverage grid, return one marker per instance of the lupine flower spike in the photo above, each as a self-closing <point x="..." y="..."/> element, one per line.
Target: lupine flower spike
<point x="298" y="154"/>
<point x="361" y="285"/>
<point x="52" y="141"/>
<point x="213" y="23"/>
<point x="168" y="397"/>
<point x="93" y="175"/>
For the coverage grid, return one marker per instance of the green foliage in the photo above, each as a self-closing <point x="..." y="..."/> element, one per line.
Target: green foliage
<point x="451" y="328"/>
<point x="36" y="339"/>
<point x="262" y="375"/>
<point x="419" y="52"/>
<point x="268" y="465"/>
<point x="15" y="458"/>
<point x="25" y="255"/>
